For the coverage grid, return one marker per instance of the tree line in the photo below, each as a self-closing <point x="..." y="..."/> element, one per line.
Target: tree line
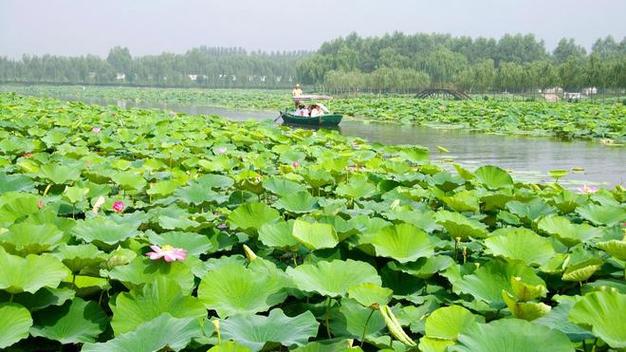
<point x="199" y="67"/>
<point x="513" y="63"/>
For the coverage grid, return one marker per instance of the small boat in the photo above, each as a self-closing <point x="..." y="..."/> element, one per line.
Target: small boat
<point x="328" y="119"/>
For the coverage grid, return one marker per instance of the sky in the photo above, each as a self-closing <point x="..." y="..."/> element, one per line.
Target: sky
<point x="79" y="27"/>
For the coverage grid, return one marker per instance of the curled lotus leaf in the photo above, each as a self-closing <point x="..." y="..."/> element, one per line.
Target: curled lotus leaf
<point x="603" y="313"/>
<point x="15" y="322"/>
<point x="520" y="244"/>
<point x="30" y="273"/>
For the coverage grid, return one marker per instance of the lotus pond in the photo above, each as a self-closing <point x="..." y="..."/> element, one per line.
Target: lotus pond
<point x="136" y="230"/>
<point x="583" y="120"/>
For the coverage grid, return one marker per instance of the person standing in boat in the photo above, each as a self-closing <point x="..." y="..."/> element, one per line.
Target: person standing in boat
<point x="295" y="93"/>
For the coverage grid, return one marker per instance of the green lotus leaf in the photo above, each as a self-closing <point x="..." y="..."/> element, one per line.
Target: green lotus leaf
<point x="255" y="331"/>
<point x="525" y="310"/>
<point x="80" y="257"/>
<point x="459" y="226"/>
<point x="428" y="344"/>
<point x="25" y="238"/>
<point x="197" y="193"/>
<point x="530" y="211"/>
<point x="232" y="289"/>
<point x="614" y="247"/>
<point x="520" y="244"/>
<point x="251" y="216"/>
<point x="194" y="243"/>
<point x="488" y="281"/>
<point x="59" y="174"/>
<point x="76" y="321"/>
<point x="357" y="187"/>
<point x="16" y="205"/>
<point x="447" y="323"/>
<point x="31" y="273"/>
<point x="566" y="232"/>
<point x="512" y="335"/>
<point x="340" y="346"/>
<point x="163" y="188"/>
<point x="101" y="230"/>
<point x="583" y="270"/>
<point x="348" y="320"/>
<point x="173" y="218"/>
<point x="602" y="214"/>
<point x="164" y="331"/>
<point x="333" y="278"/>
<point x="493" y="177"/>
<point x="41" y="299"/>
<point x="141" y="271"/>
<point x="525" y="292"/>
<point x="461" y="201"/>
<point x="15" y="321"/>
<point x="402" y="242"/>
<point x="76" y="194"/>
<point x="603" y="313"/>
<point x="315" y="235"/>
<point x="416" y="154"/>
<point x="229" y="346"/>
<point x="557" y="319"/>
<point x="282" y="187"/>
<point x="15" y="183"/>
<point x="131" y="309"/>
<point x="423" y="219"/>
<point x="278" y="234"/>
<point x="215" y="181"/>
<point x="370" y="295"/>
<point x="298" y="202"/>
<point x="423" y="268"/>
<point x="130" y="180"/>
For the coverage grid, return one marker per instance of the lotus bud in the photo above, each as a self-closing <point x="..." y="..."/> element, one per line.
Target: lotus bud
<point x="394" y="326"/>
<point x="41" y="204"/>
<point x="97" y="205"/>
<point x="216" y="325"/>
<point x="249" y="253"/>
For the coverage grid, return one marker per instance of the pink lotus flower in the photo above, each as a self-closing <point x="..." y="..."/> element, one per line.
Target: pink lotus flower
<point x="118" y="206"/>
<point x="586" y="189"/>
<point x="295" y="164"/>
<point x="96" y="129"/>
<point x="167" y="252"/>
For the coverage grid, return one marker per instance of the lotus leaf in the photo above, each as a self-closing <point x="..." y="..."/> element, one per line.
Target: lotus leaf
<point x="402" y="242"/>
<point x="459" y="226"/>
<point x="493" y="177"/>
<point x="315" y="235"/>
<point x="160" y="296"/>
<point x="298" y="202"/>
<point x="164" y="331"/>
<point x="30" y="273"/>
<point x="25" y="238"/>
<point x="251" y="216"/>
<point x="488" y="281"/>
<point x="333" y="278"/>
<point x="255" y="331"/>
<point x="615" y="248"/>
<point x="77" y="321"/>
<point x="520" y="244"/>
<point x="369" y="294"/>
<point x="232" y="289"/>
<point x="603" y="313"/>
<point x="278" y="234"/>
<point x="497" y="336"/>
<point x="15" y="321"/>
<point x="602" y="214"/>
<point x="103" y="231"/>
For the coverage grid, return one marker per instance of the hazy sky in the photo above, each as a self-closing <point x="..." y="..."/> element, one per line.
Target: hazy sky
<point x="77" y="27"/>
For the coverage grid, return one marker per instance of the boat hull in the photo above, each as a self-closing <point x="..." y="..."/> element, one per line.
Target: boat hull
<point x="324" y="120"/>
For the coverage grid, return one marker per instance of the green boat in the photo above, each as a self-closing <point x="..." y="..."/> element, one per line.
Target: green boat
<point x="328" y="119"/>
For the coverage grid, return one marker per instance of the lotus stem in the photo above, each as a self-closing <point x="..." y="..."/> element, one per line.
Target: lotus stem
<point x="365" y="327"/>
<point x="74" y="281"/>
<point x="11" y="298"/>
<point x="47" y="189"/>
<point x="326" y="317"/>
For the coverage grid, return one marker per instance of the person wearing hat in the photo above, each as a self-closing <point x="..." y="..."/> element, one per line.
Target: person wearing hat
<point x="296" y="92"/>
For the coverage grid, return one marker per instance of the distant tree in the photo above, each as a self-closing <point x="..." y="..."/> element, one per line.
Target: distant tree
<point x="567" y="48"/>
